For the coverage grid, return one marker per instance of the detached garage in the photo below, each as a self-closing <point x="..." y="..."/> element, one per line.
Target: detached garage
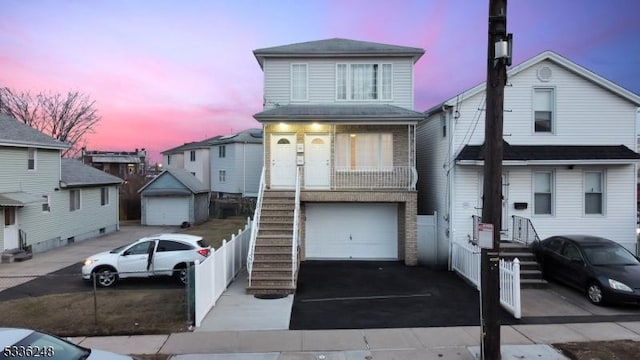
<point x="173" y="197"/>
<point x="358" y="231"/>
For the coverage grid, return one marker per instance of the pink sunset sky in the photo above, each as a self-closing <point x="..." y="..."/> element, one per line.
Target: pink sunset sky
<point x="164" y="73"/>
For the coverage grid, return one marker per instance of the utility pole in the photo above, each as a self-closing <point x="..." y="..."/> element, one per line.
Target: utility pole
<point x="499" y="46"/>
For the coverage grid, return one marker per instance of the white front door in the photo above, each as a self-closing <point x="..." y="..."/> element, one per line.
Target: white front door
<point x="504" y="225"/>
<point x="283" y="161"/>
<point x="10" y="228"/>
<point x="317" y="161"/>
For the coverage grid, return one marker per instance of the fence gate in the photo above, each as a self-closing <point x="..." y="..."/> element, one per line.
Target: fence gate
<point x="427" y="240"/>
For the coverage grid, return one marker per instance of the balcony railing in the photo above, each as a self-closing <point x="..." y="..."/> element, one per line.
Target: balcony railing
<point x="374" y="178"/>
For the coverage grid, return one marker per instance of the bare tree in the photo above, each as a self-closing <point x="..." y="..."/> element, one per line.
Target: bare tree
<point x="66" y="118"/>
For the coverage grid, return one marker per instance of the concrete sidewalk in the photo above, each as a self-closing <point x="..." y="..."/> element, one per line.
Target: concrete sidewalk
<point x="521" y="341"/>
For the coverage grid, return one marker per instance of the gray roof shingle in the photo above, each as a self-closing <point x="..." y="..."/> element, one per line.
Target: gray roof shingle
<point x="183" y="176"/>
<point x="553" y="152"/>
<point x="339" y="113"/>
<point x="337" y="47"/>
<point x="75" y="173"/>
<point x="16" y="133"/>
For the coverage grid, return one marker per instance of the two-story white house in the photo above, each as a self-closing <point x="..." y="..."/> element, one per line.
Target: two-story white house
<point x="47" y="201"/>
<point x="339" y="154"/>
<point x="569" y="164"/>
<point x="236" y="162"/>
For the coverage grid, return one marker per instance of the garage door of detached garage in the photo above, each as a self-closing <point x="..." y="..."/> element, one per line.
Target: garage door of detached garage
<point x="167" y="210"/>
<point x="351" y="231"/>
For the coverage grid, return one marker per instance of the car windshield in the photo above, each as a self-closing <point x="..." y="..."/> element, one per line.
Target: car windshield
<point x="50" y="347"/>
<point x="609" y="255"/>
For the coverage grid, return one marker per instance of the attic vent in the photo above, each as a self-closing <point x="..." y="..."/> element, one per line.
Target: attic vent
<point x="545" y="73"/>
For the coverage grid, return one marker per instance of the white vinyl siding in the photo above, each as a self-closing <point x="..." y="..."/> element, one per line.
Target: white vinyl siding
<point x="200" y="165"/>
<point x="593" y="192"/>
<point x="242" y="166"/>
<point x="299" y="82"/>
<point x="323" y="85"/>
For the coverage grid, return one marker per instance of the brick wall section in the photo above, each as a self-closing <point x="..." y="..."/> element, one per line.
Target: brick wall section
<point x="407" y="215"/>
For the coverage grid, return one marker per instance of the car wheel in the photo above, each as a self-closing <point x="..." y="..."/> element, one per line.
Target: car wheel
<point x="105" y="277"/>
<point x="181" y="273"/>
<point x="594" y="293"/>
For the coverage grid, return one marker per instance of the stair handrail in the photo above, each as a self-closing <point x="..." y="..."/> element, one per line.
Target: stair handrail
<point x="296" y="230"/>
<point x="522" y="228"/>
<point x="255" y="223"/>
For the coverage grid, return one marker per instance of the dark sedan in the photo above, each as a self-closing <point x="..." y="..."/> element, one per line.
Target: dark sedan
<point x="605" y="270"/>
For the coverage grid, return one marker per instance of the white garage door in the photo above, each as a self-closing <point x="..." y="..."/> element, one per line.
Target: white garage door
<point x="351" y="231"/>
<point x="167" y="210"/>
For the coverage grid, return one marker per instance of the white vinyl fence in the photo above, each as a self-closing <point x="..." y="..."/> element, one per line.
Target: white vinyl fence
<point x="465" y="261"/>
<point x="215" y="273"/>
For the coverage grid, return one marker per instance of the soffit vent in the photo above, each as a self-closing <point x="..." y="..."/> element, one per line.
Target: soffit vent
<point x="544" y="73"/>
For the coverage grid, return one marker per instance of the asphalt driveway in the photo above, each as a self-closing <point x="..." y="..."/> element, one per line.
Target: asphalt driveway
<point x="373" y="294"/>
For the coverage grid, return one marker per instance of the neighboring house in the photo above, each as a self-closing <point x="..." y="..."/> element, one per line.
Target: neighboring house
<point x="174" y="197"/>
<point x="194" y="157"/>
<point x="338" y="121"/>
<point x="236" y="163"/>
<point x="569" y="162"/>
<point x="174" y="157"/>
<point x="118" y="163"/>
<point x="47" y="201"/>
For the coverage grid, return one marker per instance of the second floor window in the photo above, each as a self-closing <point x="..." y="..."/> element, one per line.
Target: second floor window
<point x="364" y="81"/>
<point x="192" y="155"/>
<point x="168" y="159"/>
<point x="74" y="200"/>
<point x="222" y="151"/>
<point x="31" y="155"/>
<point x="299" y="82"/>
<point x="543" y="106"/>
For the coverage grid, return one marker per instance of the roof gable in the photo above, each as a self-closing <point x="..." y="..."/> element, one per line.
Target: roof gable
<point x="558" y="60"/>
<point x="182" y="176"/>
<point x="16" y="133"/>
<point x="337" y="47"/>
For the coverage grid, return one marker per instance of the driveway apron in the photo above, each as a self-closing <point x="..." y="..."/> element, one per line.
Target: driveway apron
<point x="381" y="294"/>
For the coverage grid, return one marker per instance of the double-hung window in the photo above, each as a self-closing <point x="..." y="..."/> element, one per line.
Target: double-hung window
<point x="543" y="193"/>
<point x="192" y="155"/>
<point x="364" y="81"/>
<point x="364" y="151"/>
<point x="593" y="192"/>
<point x="74" y="200"/>
<point x="299" y="82"/>
<point x="31" y="158"/>
<point x="222" y="151"/>
<point x="104" y="196"/>
<point x="222" y="176"/>
<point x="543" y="110"/>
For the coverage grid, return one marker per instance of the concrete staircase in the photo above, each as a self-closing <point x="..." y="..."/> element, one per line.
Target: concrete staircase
<point x="530" y="274"/>
<point x="271" y="273"/>
<point x="11" y="255"/>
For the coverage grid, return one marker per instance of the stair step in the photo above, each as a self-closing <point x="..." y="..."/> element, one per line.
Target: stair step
<point x="269" y="290"/>
<point x="518" y="255"/>
<point x="533" y="283"/>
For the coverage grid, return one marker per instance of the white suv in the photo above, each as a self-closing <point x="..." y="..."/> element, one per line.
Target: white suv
<point x="154" y="255"/>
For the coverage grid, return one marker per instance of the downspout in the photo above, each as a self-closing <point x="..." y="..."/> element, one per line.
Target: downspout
<point x="451" y="166"/>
